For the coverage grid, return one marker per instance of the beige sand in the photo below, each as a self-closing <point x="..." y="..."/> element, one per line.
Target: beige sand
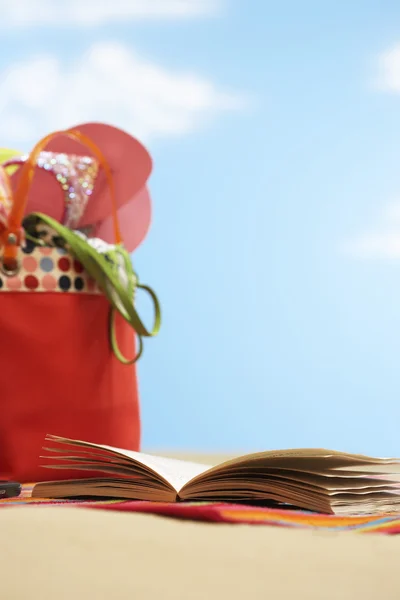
<point x="70" y="553"/>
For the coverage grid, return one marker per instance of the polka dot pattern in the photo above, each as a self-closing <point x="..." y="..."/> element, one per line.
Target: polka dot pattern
<point x="64" y="264"/>
<point x="46" y="264"/>
<point x="78" y="267"/>
<point x="30" y="264"/>
<point x="31" y="282"/>
<point x="13" y="283"/>
<point x="65" y="283"/>
<point x="49" y="270"/>
<point x="49" y="283"/>
<point x="79" y="283"/>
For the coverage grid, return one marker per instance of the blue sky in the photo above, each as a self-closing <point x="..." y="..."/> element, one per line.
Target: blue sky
<point x="275" y="245"/>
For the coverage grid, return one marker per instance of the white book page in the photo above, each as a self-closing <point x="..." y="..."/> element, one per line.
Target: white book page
<point x="175" y="472"/>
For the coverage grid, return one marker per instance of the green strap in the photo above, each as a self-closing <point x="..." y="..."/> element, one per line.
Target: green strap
<point x="114" y="343"/>
<point x="138" y="323"/>
<point x="98" y="267"/>
<point x="127" y="300"/>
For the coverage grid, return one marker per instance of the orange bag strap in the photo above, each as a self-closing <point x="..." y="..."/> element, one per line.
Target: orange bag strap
<point x="11" y="238"/>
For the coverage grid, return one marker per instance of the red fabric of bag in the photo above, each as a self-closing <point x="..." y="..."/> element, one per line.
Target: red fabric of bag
<point x="60" y="376"/>
<point x="59" y="373"/>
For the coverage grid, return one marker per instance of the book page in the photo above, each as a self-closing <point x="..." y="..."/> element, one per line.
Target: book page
<point x="312" y="460"/>
<point x="294" y="458"/>
<point x="176" y="473"/>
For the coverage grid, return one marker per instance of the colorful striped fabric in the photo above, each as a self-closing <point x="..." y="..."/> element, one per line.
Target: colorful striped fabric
<point x="227" y="513"/>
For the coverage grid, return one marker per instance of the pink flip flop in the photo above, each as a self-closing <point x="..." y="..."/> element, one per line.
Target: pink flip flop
<point x="70" y="186"/>
<point x="134" y="222"/>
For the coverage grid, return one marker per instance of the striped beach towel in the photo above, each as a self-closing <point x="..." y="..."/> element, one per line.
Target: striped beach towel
<point x="225" y="513"/>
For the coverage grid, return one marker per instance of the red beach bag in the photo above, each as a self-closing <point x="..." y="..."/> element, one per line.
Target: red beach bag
<point x="59" y="372"/>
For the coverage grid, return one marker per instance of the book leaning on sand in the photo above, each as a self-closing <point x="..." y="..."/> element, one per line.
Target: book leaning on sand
<point x="317" y="480"/>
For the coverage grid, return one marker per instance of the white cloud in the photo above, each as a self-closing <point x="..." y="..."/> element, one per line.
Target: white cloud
<point x="388" y="70"/>
<point x="391" y="213"/>
<point x="92" y="13"/>
<point x="110" y="83"/>
<point x="371" y="246"/>
<point x="382" y="243"/>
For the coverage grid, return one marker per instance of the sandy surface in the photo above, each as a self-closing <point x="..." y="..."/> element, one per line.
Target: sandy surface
<point x="64" y="553"/>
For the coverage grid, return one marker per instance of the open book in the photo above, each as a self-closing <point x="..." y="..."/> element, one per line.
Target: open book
<point x="317" y="480"/>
